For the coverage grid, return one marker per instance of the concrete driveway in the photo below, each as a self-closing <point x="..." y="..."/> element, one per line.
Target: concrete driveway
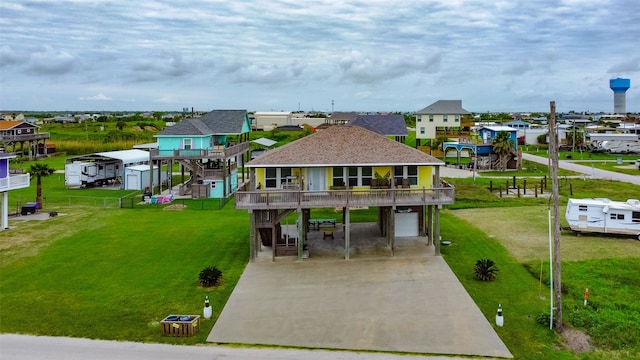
<point x="408" y="303"/>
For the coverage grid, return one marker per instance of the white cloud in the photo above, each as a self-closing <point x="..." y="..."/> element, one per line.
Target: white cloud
<point x="97" y="97"/>
<point x="366" y="55"/>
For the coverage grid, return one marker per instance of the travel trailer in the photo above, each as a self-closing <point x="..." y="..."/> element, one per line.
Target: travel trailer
<point x="621" y="147"/>
<point x="84" y="174"/>
<point x="604" y="216"/>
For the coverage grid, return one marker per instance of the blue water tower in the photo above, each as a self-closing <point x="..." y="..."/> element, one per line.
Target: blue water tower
<point x="619" y="87"/>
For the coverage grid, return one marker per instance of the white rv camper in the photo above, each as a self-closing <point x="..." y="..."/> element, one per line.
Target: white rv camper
<point x="83" y="174"/>
<point x="604" y="216"/>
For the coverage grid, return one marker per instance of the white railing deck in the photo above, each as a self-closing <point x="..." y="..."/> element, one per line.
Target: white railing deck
<point x="289" y="199"/>
<point x="14" y="182"/>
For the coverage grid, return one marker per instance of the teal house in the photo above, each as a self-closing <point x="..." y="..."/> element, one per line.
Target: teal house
<point x="211" y="148"/>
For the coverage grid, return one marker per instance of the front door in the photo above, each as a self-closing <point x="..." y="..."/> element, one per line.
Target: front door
<point x="316" y="179"/>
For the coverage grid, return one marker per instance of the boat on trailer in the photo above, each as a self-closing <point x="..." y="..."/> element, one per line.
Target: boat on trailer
<point x="601" y="215"/>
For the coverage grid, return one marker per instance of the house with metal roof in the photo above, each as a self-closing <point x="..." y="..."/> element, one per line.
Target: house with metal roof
<point x="343" y="167"/>
<point x="211" y="147"/>
<point x="441" y="115"/>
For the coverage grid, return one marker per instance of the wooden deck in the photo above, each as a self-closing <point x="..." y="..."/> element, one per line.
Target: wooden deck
<point x="291" y="199"/>
<point x="25" y="137"/>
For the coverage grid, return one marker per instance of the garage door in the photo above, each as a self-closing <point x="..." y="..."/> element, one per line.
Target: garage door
<point x="132" y="182"/>
<point x="406" y="224"/>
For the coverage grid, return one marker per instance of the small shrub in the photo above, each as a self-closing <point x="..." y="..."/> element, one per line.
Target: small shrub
<point x="543" y="319"/>
<point x="210" y="276"/>
<point x="485" y="270"/>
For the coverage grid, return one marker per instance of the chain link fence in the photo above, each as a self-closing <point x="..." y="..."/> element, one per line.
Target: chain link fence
<point x="127" y="202"/>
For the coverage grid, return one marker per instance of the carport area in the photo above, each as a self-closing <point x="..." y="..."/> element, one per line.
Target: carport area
<point x="411" y="302"/>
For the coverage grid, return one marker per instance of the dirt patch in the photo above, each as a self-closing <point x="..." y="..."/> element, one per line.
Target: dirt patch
<point x="150" y="129"/>
<point x="576" y="341"/>
<point x="26" y="238"/>
<point x="175" y="207"/>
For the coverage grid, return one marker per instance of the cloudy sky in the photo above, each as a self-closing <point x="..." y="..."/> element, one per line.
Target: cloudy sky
<point x="273" y="55"/>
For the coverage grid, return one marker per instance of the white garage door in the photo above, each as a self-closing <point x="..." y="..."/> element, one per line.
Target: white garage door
<point x="406" y="224"/>
<point x="132" y="182"/>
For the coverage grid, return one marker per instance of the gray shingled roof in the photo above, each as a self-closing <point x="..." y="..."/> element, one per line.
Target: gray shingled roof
<point x="216" y="122"/>
<point x="343" y="145"/>
<point x="387" y="125"/>
<point x="444" y="107"/>
<point x="346" y="116"/>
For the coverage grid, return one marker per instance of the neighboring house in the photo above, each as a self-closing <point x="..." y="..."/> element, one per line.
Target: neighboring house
<point x="22" y="132"/>
<point x="518" y="125"/>
<point x="488" y="133"/>
<point x="443" y="114"/>
<point x="212" y="147"/>
<point x="9" y="182"/>
<point x="385" y="125"/>
<point x="483" y="156"/>
<point x="344" y="167"/>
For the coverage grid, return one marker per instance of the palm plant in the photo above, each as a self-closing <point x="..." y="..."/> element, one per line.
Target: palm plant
<point x="40" y="170"/>
<point x="503" y="146"/>
<point x="210" y="276"/>
<point x="485" y="270"/>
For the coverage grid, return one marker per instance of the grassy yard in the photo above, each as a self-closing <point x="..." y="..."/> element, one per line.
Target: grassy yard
<point x="112" y="273"/>
<point x="612" y="318"/>
<point x="109" y="273"/>
<point x="627" y="167"/>
<point x="470" y="194"/>
<point x="533" y="244"/>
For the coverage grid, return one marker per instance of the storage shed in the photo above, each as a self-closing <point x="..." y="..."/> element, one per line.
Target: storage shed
<point x="136" y="177"/>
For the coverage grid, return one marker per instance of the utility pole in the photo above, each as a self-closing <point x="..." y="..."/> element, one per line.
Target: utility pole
<point x="553" y="154"/>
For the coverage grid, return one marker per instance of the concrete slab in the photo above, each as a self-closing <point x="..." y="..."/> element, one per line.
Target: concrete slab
<point x="411" y="302"/>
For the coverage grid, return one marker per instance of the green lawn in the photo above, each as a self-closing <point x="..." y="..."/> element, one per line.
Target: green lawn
<point x="612" y="319"/>
<point x="111" y="273"/>
<point x="470" y="194"/>
<point x="519" y="293"/>
<point x="627" y="167"/>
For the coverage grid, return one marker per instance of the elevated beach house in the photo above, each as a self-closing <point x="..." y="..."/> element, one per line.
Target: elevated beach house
<point x="212" y="148"/>
<point x="343" y="167"/>
<point x="439" y="117"/>
<point x="8" y="182"/>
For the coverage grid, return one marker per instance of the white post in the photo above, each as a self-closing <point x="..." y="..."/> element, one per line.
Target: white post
<point x="5" y="210"/>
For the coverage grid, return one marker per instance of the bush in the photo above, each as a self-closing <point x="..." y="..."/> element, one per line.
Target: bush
<point x="543" y="319"/>
<point x="210" y="276"/>
<point x="542" y="139"/>
<point x="485" y="270"/>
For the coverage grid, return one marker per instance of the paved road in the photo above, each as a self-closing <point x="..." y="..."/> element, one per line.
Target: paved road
<point x="23" y="347"/>
<point x="590" y="172"/>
